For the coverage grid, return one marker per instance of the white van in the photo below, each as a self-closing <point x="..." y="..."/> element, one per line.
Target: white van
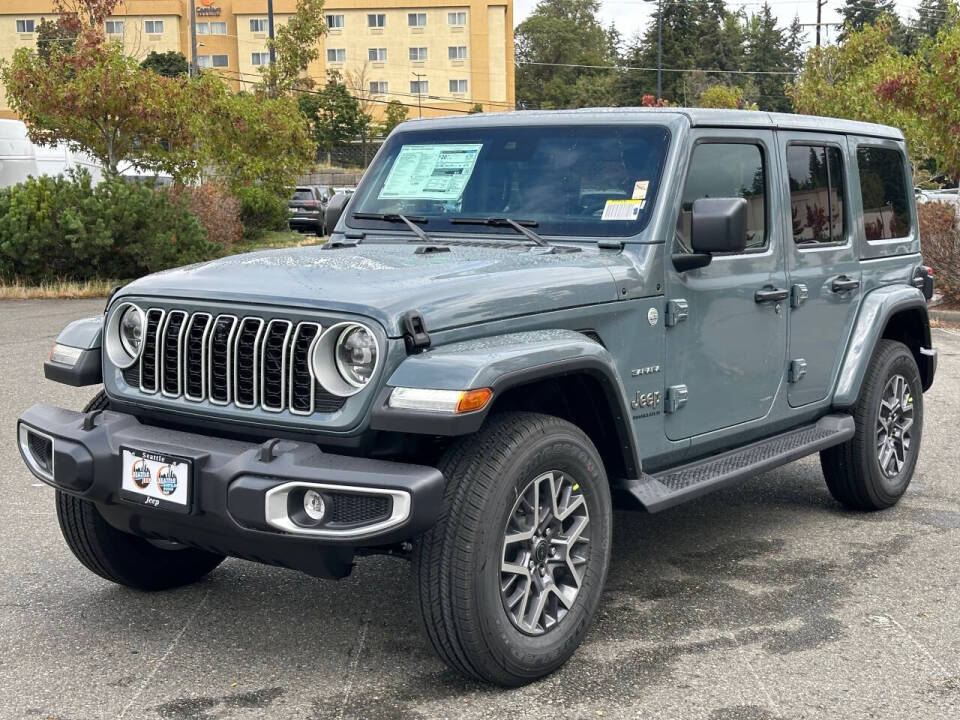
<point x="17" y="157"/>
<point x="58" y="159"/>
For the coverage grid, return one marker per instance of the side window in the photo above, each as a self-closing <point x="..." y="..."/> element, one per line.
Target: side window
<point x="816" y="193"/>
<point x="727" y="170"/>
<point x="883" y="186"/>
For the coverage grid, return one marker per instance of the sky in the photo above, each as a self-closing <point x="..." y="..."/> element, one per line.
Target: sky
<point x="631" y="16"/>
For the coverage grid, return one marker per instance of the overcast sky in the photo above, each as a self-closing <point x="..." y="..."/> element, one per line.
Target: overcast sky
<point x="632" y="15"/>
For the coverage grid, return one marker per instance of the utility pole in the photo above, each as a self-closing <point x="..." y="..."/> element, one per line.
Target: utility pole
<point x="419" y="93"/>
<point x="660" y="48"/>
<point x="273" y="57"/>
<point x="193" y="38"/>
<point x="820" y="4"/>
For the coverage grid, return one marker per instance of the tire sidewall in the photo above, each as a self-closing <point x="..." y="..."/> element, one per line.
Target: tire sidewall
<point x="521" y="654"/>
<point x="882" y="490"/>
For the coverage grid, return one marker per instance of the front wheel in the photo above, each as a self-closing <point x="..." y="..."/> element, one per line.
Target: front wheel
<point x="510" y="577"/>
<point x="873" y="469"/>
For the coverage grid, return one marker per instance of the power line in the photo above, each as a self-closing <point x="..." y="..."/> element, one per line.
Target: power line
<point x="654" y="69"/>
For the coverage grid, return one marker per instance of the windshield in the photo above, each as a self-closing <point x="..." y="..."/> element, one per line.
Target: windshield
<point x="302" y="194"/>
<point x="566" y="180"/>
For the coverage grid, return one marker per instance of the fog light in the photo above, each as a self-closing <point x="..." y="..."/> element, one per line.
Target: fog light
<point x="313" y="505"/>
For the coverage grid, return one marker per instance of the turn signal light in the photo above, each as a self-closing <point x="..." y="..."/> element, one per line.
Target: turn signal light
<point x="474" y="400"/>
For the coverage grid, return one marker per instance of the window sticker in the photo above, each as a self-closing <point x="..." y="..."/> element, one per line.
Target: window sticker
<point x="622" y="209"/>
<point x="430" y="172"/>
<point x="640" y="189"/>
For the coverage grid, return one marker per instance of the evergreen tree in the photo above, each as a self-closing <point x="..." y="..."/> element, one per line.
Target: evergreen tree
<point x="933" y="15"/>
<point x="857" y="13"/>
<point x="769" y="53"/>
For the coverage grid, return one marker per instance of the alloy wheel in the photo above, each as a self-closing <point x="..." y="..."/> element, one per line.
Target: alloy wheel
<point x="544" y="553"/>
<point x="894" y="424"/>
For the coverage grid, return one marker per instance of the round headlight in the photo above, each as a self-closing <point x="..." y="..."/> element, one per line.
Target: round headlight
<point x="356" y="354"/>
<point x="123" y="335"/>
<point x="345" y="358"/>
<point x="131" y="330"/>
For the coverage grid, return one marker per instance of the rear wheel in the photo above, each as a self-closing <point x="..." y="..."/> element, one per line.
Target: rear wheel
<point x="873" y="469"/>
<point x="120" y="557"/>
<point x="510" y="577"/>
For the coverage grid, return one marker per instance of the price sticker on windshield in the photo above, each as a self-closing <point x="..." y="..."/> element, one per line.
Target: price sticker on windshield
<point x="622" y="209"/>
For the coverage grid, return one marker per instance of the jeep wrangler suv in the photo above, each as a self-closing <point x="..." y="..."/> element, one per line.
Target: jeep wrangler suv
<point x="517" y="315"/>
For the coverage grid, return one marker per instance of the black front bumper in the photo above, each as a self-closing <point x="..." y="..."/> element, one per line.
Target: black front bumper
<point x="231" y="485"/>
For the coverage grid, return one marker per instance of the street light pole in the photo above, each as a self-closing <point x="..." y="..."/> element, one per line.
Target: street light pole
<point x="193" y="38"/>
<point x="273" y="57"/>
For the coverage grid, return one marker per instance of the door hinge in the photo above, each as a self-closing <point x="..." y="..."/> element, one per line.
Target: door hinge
<point x="676" y="398"/>
<point x="798" y="295"/>
<point x="677" y="311"/>
<point x="798" y="368"/>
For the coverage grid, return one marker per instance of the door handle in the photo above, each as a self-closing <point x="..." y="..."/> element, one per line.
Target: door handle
<point x="769" y="293"/>
<point x="843" y="283"/>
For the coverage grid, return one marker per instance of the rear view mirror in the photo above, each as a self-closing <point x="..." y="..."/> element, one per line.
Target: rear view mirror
<point x="335" y="209"/>
<point x="718" y="225"/>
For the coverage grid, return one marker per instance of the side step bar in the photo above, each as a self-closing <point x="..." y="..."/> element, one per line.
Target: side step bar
<point x="671" y="487"/>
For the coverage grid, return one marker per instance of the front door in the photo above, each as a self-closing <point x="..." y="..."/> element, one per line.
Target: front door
<point x="727" y="357"/>
<point x="822" y="260"/>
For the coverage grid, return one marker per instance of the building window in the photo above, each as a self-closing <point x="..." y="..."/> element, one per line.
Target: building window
<point x="260" y="58"/>
<point x="258" y="25"/>
<point x="378" y="88"/>
<point x="25" y="26"/>
<point x="114" y="27"/>
<point x="153" y="27"/>
<point x="883" y="189"/>
<point x="220" y="61"/>
<point x="337" y="55"/>
<point x="202" y="28"/>
<point x="418" y="54"/>
<point x="203" y="61"/>
<point x="458" y="86"/>
<point x="416" y="19"/>
<point x="218" y="28"/>
<point x="457" y="52"/>
<point x="377" y="20"/>
<point x="456" y="18"/>
<point x="335" y="22"/>
<point x="724" y="170"/>
<point x="816" y="193"/>
<point x="419" y="87"/>
<point x="377" y="54"/>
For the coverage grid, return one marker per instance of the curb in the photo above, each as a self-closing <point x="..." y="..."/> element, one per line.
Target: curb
<point x="944" y="315"/>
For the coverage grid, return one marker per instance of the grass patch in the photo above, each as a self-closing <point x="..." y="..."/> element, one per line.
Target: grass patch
<point x="275" y="239"/>
<point x="64" y="289"/>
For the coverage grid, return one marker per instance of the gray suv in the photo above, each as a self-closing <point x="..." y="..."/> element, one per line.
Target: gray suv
<point x="517" y="318"/>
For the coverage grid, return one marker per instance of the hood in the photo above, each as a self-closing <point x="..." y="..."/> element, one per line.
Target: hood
<point x="467" y="285"/>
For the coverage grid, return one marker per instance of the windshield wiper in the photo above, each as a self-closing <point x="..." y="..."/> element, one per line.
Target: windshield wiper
<point x="521" y="226"/>
<point x="410" y="221"/>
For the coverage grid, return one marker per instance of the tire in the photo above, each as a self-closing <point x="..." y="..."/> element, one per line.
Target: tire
<point x="853" y="470"/>
<point x="120" y="557"/>
<point x="457" y="563"/>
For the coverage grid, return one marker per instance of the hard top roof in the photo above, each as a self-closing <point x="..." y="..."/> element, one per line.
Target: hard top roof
<point x="697" y="117"/>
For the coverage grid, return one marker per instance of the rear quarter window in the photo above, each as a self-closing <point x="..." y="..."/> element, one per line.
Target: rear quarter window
<point x="883" y="187"/>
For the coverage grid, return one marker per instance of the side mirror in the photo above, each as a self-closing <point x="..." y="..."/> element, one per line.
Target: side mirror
<point x="717" y="225"/>
<point x="335" y="209"/>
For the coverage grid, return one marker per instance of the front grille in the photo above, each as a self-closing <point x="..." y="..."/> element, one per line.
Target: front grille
<point x="247" y="362"/>
<point x="351" y="509"/>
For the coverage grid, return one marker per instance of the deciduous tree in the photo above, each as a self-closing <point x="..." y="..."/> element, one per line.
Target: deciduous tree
<point x="295" y="45"/>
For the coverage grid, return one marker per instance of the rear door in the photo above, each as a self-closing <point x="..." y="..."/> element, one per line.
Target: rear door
<point x="728" y="355"/>
<point x="821" y="259"/>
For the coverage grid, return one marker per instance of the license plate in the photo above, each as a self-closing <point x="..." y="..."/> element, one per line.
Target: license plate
<point x="155" y="479"/>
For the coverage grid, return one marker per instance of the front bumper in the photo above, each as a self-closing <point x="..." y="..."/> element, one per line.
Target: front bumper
<point x="238" y="503"/>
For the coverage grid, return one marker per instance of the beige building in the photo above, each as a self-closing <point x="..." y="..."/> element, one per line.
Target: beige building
<point x="435" y="56"/>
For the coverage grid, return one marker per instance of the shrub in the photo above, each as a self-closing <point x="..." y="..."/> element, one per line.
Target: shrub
<point x="940" y="238"/>
<point x="216" y="209"/>
<point x="64" y="227"/>
<point x="261" y="210"/>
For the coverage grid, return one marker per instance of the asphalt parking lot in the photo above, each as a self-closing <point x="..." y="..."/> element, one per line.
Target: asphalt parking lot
<point x="762" y="601"/>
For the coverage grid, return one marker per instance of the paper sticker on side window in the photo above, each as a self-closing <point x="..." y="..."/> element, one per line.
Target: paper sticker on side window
<point x="622" y="209"/>
<point x="430" y="172"/>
